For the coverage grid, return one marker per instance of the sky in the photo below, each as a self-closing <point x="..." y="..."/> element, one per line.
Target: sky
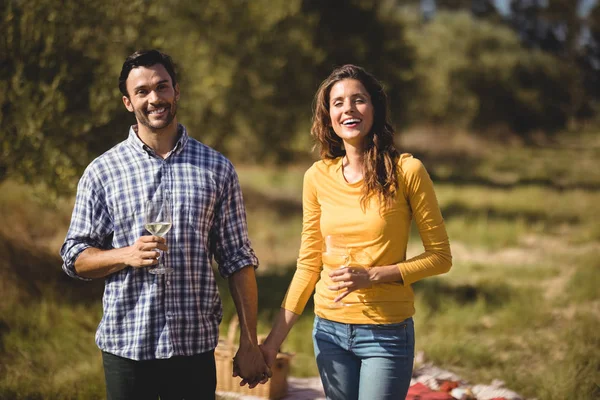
<point x="503" y="6"/>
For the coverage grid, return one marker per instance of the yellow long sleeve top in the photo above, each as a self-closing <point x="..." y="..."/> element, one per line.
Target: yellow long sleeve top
<point x="331" y="206"/>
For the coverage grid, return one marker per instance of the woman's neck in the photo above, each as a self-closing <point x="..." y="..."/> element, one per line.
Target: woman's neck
<point x="352" y="164"/>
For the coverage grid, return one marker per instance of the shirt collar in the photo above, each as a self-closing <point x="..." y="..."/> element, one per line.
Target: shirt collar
<point x="136" y="143"/>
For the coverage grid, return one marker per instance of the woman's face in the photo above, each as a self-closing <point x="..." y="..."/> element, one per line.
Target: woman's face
<point x="351" y="111"/>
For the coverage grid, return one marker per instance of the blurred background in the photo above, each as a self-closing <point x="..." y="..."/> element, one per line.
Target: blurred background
<point x="499" y="98"/>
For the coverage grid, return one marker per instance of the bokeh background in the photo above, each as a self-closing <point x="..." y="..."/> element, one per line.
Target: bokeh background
<point x="498" y="98"/>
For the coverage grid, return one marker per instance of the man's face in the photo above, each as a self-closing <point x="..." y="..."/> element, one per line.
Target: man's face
<point x="152" y="97"/>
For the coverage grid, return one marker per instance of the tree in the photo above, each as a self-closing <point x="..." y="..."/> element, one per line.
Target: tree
<point x="475" y="74"/>
<point x="59" y="62"/>
<point x="251" y="68"/>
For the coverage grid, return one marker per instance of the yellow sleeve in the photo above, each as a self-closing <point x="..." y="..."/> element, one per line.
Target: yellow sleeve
<point x="437" y="258"/>
<point x="309" y="263"/>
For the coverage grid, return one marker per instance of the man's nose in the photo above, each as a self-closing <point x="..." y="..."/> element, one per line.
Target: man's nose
<point x="153" y="96"/>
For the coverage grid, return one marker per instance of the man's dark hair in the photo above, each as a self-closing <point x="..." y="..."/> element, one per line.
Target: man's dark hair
<point x="145" y="58"/>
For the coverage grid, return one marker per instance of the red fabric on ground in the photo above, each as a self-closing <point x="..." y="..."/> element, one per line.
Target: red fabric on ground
<point x="418" y="391"/>
<point x="447" y="386"/>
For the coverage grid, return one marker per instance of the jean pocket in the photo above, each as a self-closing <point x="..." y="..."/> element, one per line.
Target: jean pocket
<point x="393" y="339"/>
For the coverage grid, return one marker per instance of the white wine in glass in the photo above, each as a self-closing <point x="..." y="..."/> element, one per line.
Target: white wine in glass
<point x="158" y="221"/>
<point x="335" y="255"/>
<point x="158" y="228"/>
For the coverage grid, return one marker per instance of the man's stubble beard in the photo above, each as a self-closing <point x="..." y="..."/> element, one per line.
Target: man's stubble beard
<point x="143" y="118"/>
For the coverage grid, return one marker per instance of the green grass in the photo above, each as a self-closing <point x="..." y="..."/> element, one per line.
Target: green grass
<point x="521" y="303"/>
<point x="49" y="351"/>
<point x="584" y="284"/>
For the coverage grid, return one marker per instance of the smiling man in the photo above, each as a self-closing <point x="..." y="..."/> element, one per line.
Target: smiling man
<point x="159" y="331"/>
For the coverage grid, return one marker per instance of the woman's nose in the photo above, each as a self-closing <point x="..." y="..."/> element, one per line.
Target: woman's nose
<point x="348" y="106"/>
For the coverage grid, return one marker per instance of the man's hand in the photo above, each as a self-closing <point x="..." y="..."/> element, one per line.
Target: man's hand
<point x="250" y="365"/>
<point x="145" y="251"/>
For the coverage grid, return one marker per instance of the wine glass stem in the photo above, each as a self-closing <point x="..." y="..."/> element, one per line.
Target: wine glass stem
<point x="161" y="259"/>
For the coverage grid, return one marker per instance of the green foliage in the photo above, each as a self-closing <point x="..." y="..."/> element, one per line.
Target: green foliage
<point x="249" y="70"/>
<point x="475" y="73"/>
<point x="59" y="100"/>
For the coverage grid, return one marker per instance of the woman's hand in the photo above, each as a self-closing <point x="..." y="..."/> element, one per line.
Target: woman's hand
<point x="349" y="279"/>
<point x="269" y="353"/>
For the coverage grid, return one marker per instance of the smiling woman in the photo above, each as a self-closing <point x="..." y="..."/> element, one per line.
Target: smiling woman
<point x="364" y="191"/>
<point x="351" y="112"/>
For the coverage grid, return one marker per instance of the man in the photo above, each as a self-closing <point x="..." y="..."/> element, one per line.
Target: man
<point x="158" y="332"/>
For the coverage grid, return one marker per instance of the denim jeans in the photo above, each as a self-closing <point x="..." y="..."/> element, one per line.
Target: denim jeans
<point x="365" y="362"/>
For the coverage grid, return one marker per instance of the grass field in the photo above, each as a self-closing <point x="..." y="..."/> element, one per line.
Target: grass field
<point x="521" y="303"/>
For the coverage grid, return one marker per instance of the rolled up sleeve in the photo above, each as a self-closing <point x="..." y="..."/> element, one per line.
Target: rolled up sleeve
<point x="231" y="246"/>
<point x="91" y="225"/>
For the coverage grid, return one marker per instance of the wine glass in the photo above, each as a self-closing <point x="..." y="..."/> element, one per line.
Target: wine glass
<point x="359" y="258"/>
<point x="335" y="255"/>
<point x="158" y="221"/>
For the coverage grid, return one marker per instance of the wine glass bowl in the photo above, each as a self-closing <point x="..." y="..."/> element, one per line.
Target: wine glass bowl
<point x="158" y="221"/>
<point x="358" y="259"/>
<point x="335" y="255"/>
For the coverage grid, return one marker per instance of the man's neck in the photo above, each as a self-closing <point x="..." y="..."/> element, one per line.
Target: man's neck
<point x="161" y="141"/>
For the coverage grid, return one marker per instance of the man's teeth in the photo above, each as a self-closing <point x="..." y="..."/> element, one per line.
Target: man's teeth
<point x="351" y="121"/>
<point x="157" y="111"/>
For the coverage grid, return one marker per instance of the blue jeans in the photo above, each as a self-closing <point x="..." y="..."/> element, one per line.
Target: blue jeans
<point x="365" y="362"/>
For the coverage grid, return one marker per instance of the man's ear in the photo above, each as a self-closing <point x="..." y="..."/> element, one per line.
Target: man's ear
<point x="177" y="91"/>
<point x="127" y="103"/>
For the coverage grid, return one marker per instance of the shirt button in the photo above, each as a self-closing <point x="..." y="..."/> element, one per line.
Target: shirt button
<point x="169" y="314"/>
<point x="168" y="283"/>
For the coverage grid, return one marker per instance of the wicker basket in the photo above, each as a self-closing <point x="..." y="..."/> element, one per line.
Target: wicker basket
<point x="275" y="388"/>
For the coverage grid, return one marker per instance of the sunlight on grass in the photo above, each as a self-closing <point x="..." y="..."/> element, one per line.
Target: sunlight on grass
<point x="30" y="216"/>
<point x="50" y="348"/>
<point x="584" y="285"/>
<point x="276" y="241"/>
<point x="491" y="234"/>
<point x="278" y="182"/>
<point x="520" y="304"/>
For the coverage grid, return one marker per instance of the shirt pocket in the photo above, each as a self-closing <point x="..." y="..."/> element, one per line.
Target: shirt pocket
<point x="197" y="208"/>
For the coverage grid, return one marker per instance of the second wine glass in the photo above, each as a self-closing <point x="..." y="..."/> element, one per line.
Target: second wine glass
<point x="158" y="221"/>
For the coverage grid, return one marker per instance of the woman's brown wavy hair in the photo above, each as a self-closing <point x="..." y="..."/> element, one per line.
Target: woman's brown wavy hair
<point x="381" y="157"/>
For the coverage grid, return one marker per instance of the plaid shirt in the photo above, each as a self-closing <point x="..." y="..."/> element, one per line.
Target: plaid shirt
<point x="150" y="316"/>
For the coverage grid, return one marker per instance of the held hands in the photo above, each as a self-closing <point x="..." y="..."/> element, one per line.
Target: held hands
<point x="249" y="364"/>
<point x="349" y="279"/>
<point x="144" y="252"/>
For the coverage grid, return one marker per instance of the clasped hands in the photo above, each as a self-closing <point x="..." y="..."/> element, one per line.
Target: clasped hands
<point x="252" y="364"/>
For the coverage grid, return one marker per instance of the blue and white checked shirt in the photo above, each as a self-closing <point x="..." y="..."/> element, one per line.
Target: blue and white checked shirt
<point x="150" y="316"/>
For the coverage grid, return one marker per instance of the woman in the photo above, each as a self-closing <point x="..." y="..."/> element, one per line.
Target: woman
<point x="365" y="192"/>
